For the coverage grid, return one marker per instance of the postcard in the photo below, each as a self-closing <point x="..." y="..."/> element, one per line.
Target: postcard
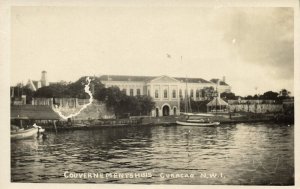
<point x="149" y="94"/>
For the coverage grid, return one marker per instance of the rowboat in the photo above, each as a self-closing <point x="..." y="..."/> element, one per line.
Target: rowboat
<point x="24" y="134"/>
<point x="195" y="123"/>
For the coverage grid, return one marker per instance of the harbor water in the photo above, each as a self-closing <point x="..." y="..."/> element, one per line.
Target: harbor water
<point x="233" y="154"/>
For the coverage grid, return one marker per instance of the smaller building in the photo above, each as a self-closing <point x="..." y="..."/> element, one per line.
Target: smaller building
<point x="34" y="85"/>
<point x="217" y="105"/>
<point x="222" y="85"/>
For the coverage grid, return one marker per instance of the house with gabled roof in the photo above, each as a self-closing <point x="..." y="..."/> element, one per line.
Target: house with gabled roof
<point x="35" y="85"/>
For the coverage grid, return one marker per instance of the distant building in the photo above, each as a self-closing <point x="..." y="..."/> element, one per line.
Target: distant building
<point x="34" y="85"/>
<point x="166" y="91"/>
<point x="223" y="86"/>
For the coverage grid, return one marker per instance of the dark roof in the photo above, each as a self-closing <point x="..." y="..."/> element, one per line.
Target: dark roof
<point x="125" y="78"/>
<point x="33" y="112"/>
<point x="217" y="101"/>
<point x="147" y="78"/>
<point x="216" y="81"/>
<point x="191" y="80"/>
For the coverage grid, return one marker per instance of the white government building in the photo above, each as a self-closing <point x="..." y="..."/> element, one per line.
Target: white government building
<point x="166" y="91"/>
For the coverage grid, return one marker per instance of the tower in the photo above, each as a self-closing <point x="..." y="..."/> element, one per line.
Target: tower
<point x="44" y="79"/>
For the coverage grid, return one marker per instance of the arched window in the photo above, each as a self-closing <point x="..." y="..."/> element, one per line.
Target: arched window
<point x="165" y="93"/>
<point x="174" y="93"/>
<point x="192" y="93"/>
<point x="138" y="92"/>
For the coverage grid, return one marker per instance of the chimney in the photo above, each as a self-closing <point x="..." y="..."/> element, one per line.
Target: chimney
<point x="44" y="79"/>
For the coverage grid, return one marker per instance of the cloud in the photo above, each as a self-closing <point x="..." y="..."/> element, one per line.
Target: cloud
<point x="263" y="36"/>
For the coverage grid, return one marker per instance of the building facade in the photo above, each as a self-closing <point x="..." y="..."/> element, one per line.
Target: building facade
<point x="166" y="91"/>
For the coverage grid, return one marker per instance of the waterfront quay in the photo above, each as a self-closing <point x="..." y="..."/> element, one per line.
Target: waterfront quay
<point x="45" y="116"/>
<point x="158" y="121"/>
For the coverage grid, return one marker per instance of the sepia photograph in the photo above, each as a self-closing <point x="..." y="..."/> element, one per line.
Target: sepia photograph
<point x="152" y="95"/>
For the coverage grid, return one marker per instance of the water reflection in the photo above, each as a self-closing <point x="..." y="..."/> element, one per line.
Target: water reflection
<point x="251" y="154"/>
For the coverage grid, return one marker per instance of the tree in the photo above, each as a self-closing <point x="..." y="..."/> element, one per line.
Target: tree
<point x="121" y="104"/>
<point x="199" y="106"/>
<point x="76" y="89"/>
<point x="228" y="96"/>
<point x="20" y="90"/>
<point x="52" y="91"/>
<point x="269" y="95"/>
<point x="71" y="90"/>
<point x="29" y="94"/>
<point x="249" y="97"/>
<point x="284" y="93"/>
<point x="146" y="104"/>
<point x="44" y="92"/>
<point x="207" y="92"/>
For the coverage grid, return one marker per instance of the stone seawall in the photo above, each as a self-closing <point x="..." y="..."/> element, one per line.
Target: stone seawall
<point x="94" y="111"/>
<point x="67" y="106"/>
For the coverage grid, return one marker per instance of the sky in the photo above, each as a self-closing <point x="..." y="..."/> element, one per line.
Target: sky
<point x="252" y="47"/>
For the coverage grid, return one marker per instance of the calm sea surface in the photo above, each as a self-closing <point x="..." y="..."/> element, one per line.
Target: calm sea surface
<point x="238" y="154"/>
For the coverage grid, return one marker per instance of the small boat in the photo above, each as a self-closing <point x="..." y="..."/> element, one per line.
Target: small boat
<point x="195" y="123"/>
<point x="190" y="119"/>
<point x="80" y="125"/>
<point x="26" y="133"/>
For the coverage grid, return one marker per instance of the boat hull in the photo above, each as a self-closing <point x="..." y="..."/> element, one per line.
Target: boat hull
<point x="197" y="124"/>
<point x="25" y="134"/>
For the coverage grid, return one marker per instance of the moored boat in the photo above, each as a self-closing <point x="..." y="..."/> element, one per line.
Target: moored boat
<point x="24" y="134"/>
<point x="20" y="132"/>
<point x="194" y="123"/>
<point x="190" y="119"/>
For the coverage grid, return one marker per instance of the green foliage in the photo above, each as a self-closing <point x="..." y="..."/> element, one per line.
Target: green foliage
<point x="121" y="104"/>
<point x="146" y="104"/>
<point x="284" y="93"/>
<point x="269" y="95"/>
<point x="22" y="90"/>
<point x="115" y="99"/>
<point x="52" y="91"/>
<point x="199" y="106"/>
<point x="69" y="90"/>
<point x="207" y="92"/>
<point x="194" y="106"/>
<point x="228" y="96"/>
